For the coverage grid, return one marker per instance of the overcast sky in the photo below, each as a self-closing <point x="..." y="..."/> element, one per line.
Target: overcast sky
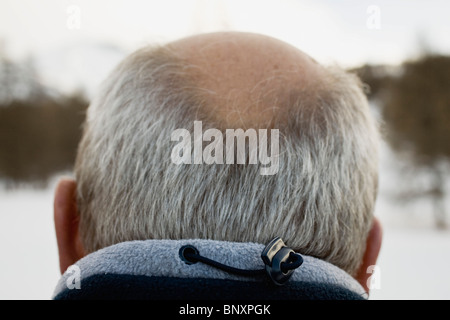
<point x="347" y="32"/>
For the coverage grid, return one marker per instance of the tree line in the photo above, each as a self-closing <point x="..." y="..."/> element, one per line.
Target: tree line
<point x="414" y="101"/>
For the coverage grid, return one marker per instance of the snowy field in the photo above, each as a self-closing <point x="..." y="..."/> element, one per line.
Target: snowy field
<point x="413" y="263"/>
<point x="29" y="266"/>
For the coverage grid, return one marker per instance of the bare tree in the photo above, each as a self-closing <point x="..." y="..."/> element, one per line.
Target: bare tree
<point x="416" y="109"/>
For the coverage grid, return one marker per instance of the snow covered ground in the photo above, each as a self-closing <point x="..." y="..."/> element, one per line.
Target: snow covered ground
<point x="29" y="266"/>
<point x="413" y="263"/>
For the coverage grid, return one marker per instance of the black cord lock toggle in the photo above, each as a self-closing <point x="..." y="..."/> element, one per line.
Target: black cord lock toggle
<point x="280" y="261"/>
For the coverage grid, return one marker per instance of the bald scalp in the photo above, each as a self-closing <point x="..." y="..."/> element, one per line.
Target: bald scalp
<point x="247" y="80"/>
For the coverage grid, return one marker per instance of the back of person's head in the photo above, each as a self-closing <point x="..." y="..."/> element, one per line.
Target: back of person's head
<point x="321" y="197"/>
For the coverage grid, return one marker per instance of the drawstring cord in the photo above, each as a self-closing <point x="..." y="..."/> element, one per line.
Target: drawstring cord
<point x="195" y="257"/>
<point x="280" y="261"/>
<point x="285" y="266"/>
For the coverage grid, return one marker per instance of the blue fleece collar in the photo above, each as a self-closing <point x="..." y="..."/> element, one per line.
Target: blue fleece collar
<point x="160" y="258"/>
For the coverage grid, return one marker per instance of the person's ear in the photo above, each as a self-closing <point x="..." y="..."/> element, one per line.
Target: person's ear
<point x="66" y="220"/>
<point x="373" y="246"/>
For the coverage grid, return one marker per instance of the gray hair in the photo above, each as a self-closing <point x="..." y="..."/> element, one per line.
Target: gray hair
<point x="320" y="202"/>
